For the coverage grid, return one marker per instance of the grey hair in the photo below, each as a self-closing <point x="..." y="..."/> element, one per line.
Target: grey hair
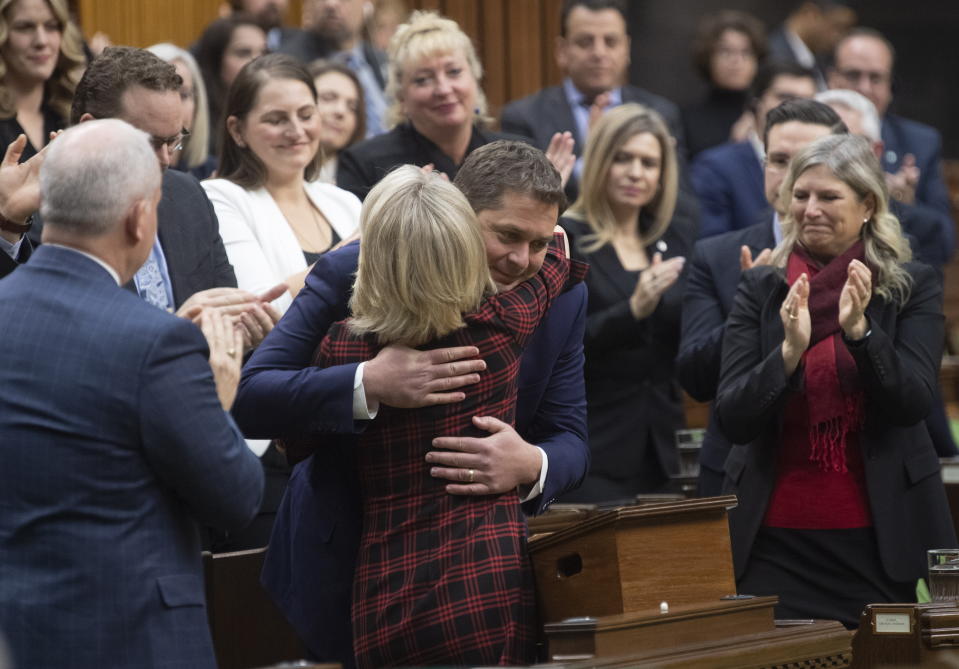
<point x="94" y="174"/>
<point x="197" y="145"/>
<point x="851" y="160"/>
<point x="857" y="102"/>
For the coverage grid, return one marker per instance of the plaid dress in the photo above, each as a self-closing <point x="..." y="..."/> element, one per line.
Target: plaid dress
<point x="444" y="579"/>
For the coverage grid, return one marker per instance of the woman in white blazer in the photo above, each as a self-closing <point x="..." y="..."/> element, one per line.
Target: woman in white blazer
<point x="274" y="219"/>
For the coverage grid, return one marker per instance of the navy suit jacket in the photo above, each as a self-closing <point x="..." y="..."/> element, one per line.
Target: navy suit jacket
<point x="113" y="445"/>
<point x="728" y="179"/>
<point x="901" y="136"/>
<point x="540" y="115"/>
<point x="309" y="567"/>
<point x="190" y="236"/>
<point x="710" y="290"/>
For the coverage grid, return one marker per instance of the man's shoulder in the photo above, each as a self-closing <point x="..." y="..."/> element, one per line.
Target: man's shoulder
<point x="663" y="105"/>
<point x="913" y="130"/>
<point x="720" y="155"/>
<point x="526" y="105"/>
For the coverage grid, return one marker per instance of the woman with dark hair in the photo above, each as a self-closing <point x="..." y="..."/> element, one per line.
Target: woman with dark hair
<point x="830" y="363"/>
<point x="341" y="102"/>
<point x="728" y="49"/>
<point x="626" y="226"/>
<point x="221" y="52"/>
<point x="41" y="61"/>
<point x="275" y="219"/>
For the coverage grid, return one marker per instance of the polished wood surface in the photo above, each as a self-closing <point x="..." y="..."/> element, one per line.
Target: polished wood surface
<point x="932" y="638"/>
<point x="632" y="559"/>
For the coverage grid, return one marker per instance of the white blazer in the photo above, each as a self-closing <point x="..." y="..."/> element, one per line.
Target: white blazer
<point x="260" y="243"/>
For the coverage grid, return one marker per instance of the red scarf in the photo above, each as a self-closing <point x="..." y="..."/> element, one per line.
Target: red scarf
<point x="833" y="395"/>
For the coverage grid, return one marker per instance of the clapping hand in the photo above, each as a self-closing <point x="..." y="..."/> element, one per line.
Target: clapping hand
<point x="746" y="260"/>
<point x="653" y="282"/>
<point x="797" y="325"/>
<point x="902" y="184"/>
<point x="560" y="154"/>
<point x="853" y="300"/>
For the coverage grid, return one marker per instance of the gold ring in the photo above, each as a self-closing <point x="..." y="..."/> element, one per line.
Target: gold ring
<point x="231" y="351"/>
<point x="472" y="473"/>
<point x="793" y="316"/>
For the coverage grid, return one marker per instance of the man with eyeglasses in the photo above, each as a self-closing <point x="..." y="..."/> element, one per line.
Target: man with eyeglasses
<point x="863" y="62"/>
<point x="187" y="268"/>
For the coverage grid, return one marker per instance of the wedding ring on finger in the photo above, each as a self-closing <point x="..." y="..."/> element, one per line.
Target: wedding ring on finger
<point x="471" y="474"/>
<point x="231" y="352"/>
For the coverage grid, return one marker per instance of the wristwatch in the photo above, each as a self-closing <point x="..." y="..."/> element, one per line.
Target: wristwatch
<point x="10" y="226"/>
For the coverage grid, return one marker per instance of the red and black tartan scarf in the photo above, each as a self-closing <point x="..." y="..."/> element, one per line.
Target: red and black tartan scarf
<point x="833" y="394"/>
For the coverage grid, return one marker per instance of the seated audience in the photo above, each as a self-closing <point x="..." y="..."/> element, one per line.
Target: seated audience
<point x="340" y="103"/>
<point x="728" y="179"/>
<point x="116" y="438"/>
<point x="275" y="220"/>
<point x="516" y="194"/>
<point x="41" y="58"/>
<point x="837" y="479"/>
<point x="439" y="110"/>
<point x="589" y="88"/>
<point x="863" y="61"/>
<point x="810" y="33"/>
<point x="195" y="156"/>
<point x="221" y="52"/>
<point x="626" y="224"/>
<point x="718" y="263"/>
<point x="727" y="50"/>
<point x="423" y="593"/>
<point x="334" y="30"/>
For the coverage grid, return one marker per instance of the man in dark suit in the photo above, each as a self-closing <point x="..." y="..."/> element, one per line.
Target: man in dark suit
<point x="114" y="436"/>
<point x="728" y="179"/>
<point x="518" y="196"/>
<point x="718" y="262"/>
<point x="810" y="33"/>
<point x="863" y="62"/>
<point x="593" y="52"/>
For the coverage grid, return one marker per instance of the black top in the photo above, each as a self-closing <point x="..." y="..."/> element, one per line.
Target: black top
<point x="10" y="129"/>
<point x="708" y="123"/>
<point x="362" y="165"/>
<point x="312" y="257"/>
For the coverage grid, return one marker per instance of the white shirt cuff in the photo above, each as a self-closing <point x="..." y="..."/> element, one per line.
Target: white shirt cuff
<point x="12" y="249"/>
<point x="537" y="488"/>
<point x="361" y="410"/>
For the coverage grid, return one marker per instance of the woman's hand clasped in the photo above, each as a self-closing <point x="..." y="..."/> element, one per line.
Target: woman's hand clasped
<point x="854" y="299"/>
<point x="797" y="325"/>
<point x="653" y="282"/>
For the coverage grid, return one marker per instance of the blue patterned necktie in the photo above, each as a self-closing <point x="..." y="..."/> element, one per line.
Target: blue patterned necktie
<point x="150" y="284"/>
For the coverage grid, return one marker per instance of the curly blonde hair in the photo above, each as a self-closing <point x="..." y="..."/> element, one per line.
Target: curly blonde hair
<point x="851" y="160"/>
<point x="427" y="34"/>
<point x="59" y="88"/>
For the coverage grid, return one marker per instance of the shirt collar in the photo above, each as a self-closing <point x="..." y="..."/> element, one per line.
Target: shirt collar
<point x="113" y="273"/>
<point x="575" y="97"/>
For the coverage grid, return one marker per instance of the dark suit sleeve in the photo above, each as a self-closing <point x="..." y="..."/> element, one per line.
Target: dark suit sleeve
<point x="281" y="393"/>
<point x="703" y="325"/>
<point x="715" y="201"/>
<point x="932" y="189"/>
<point x="933" y="231"/>
<point x="900" y="374"/>
<point x="225" y="277"/>
<point x="559" y="425"/>
<point x="188" y="439"/>
<point x="752" y="385"/>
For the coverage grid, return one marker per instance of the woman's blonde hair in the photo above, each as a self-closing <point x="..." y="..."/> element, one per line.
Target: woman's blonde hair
<point x="60" y="87"/>
<point x="422" y="260"/>
<point x="606" y="138"/>
<point x="851" y="160"/>
<point x="428" y="34"/>
<point x="196" y="148"/>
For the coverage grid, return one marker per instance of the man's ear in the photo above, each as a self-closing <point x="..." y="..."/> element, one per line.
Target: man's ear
<point x="233" y="127"/>
<point x="561" y="53"/>
<point x="136" y="224"/>
<point x="87" y="116"/>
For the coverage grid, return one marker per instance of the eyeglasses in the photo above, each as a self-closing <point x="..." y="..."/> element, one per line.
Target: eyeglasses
<point x="855" y="76"/>
<point x="174" y="143"/>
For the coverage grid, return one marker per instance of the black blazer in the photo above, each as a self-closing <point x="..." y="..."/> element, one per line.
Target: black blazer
<point x="710" y="289"/>
<point x="898" y="364"/>
<point x="629" y="362"/>
<point x="540" y="115"/>
<point x="190" y="236"/>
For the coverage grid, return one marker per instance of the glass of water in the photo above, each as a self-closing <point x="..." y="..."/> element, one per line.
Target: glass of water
<point x="944" y="574"/>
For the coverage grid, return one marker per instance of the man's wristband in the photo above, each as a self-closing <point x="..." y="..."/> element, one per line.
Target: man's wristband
<point x="19" y="228"/>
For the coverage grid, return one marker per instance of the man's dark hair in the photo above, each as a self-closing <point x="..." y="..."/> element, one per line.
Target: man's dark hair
<point x="804" y="111"/>
<point x="114" y="71"/>
<point x="768" y="73"/>
<point x="593" y="6"/>
<point x="491" y="171"/>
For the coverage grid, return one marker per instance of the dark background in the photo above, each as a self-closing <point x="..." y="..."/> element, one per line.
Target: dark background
<point x="924" y="32"/>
